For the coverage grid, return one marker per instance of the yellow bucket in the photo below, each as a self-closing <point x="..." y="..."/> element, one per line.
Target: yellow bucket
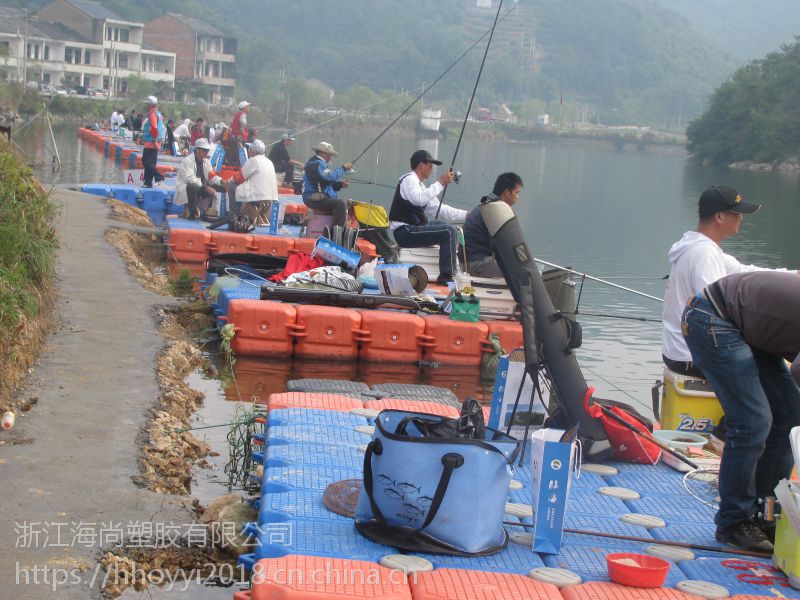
<point x="689" y="404"/>
<point x="370" y="215"/>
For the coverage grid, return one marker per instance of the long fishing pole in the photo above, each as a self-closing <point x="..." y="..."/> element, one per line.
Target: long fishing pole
<point x="344" y="114"/>
<point x="633" y="538"/>
<point x="417" y="99"/>
<point x="471" y="100"/>
<point x="585" y="276"/>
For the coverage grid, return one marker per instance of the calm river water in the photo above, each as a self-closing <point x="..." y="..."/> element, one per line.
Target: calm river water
<point x="611" y="214"/>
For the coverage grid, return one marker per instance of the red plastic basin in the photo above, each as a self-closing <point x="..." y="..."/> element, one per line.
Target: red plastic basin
<point x="637" y="570"/>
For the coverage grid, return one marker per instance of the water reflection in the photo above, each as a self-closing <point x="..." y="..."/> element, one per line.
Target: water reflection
<point x="606" y="212"/>
<point x="254" y="379"/>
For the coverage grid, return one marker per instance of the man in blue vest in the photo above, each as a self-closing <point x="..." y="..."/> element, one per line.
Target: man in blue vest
<point x="321" y="184"/>
<point x="153" y="135"/>
<point x="413" y="203"/>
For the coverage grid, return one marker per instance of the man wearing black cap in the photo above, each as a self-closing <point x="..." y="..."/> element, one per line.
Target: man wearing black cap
<point x="739" y="330"/>
<point x="697" y="260"/>
<point x="279" y="155"/>
<point x="413" y="203"/>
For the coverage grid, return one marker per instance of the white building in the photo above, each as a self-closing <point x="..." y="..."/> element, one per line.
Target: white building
<point x="78" y="42"/>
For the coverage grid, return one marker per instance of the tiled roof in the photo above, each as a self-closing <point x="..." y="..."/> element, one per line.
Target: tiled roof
<point x="95" y="10"/>
<point x="198" y="25"/>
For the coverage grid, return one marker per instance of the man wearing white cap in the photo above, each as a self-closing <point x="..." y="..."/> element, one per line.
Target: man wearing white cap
<point x="195" y="181"/>
<point x="183" y="134"/>
<point x="256" y="184"/>
<point x="239" y="123"/>
<point x="153" y="133"/>
<point x="279" y="155"/>
<point x="320" y="184"/>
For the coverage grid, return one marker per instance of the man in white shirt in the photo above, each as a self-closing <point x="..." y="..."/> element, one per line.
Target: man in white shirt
<point x="413" y="203"/>
<point x="257" y="184"/>
<point x="117" y="119"/>
<point x="697" y="261"/>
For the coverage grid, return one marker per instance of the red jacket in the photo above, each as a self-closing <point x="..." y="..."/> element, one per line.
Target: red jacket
<point x="236" y="126"/>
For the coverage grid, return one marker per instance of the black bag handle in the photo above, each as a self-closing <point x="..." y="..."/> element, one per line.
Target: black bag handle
<point x="450" y="462"/>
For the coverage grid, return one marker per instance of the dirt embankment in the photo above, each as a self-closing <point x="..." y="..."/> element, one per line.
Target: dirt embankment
<point x="168" y="450"/>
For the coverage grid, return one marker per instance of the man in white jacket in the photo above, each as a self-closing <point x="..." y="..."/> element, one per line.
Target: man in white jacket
<point x="195" y="182"/>
<point x="697" y="261"/>
<point x="414" y="203"/>
<point x="257" y="184"/>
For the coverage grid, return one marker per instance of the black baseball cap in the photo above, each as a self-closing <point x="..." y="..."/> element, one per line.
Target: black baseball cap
<point x="720" y="198"/>
<point x="423" y="156"/>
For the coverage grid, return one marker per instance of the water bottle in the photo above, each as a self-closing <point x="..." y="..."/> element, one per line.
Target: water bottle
<point x="7" y="421"/>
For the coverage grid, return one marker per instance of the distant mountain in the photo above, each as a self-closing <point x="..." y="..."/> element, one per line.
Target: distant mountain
<point x="625" y="61"/>
<point x="743" y="28"/>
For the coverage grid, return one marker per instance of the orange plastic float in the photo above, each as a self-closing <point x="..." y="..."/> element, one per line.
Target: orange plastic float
<point x="304" y="245"/>
<point x="274" y="245"/>
<point x="228" y="242"/>
<point x="188" y="245"/>
<point x="454" y="342"/>
<point x="601" y="590"/>
<point x="261" y="327"/>
<point x="319" y="400"/>
<point x="296" y="577"/>
<point x="326" y="332"/>
<point x="391" y="336"/>
<point x="510" y="333"/>
<point x="432" y="408"/>
<point x="461" y="584"/>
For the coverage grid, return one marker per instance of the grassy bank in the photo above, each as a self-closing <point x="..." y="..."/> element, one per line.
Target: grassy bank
<point x="28" y="247"/>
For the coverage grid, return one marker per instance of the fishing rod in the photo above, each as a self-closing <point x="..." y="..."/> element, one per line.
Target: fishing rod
<point x="344" y="114"/>
<point x="633" y="538"/>
<point x="609" y="283"/>
<point x="469" y="106"/>
<point x="417" y="99"/>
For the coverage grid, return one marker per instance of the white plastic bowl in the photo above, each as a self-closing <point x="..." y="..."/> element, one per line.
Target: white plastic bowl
<point x="679" y="439"/>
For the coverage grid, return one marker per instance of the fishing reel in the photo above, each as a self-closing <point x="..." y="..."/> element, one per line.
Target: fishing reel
<point x="351" y="171"/>
<point x="456" y="176"/>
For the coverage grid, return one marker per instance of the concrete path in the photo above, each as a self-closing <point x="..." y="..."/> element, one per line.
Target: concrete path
<point x="66" y="468"/>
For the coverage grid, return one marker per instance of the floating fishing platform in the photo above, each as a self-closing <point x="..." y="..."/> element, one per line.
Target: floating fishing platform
<point x="315" y="434"/>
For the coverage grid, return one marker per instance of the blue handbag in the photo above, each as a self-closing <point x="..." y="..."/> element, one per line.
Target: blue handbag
<point x="432" y="494"/>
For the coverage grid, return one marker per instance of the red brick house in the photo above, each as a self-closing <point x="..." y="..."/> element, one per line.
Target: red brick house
<point x="203" y="53"/>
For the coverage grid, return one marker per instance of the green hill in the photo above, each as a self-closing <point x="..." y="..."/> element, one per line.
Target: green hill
<point x="754" y="116"/>
<point x="620" y="61"/>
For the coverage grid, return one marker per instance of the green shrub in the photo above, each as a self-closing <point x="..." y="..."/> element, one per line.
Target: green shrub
<point x="28" y="243"/>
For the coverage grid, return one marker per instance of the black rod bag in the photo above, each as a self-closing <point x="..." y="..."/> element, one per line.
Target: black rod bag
<point x="547" y="338"/>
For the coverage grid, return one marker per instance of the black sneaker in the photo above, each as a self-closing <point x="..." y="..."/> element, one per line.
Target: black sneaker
<point x="768" y="527"/>
<point x="444" y="279"/>
<point x="745" y="536"/>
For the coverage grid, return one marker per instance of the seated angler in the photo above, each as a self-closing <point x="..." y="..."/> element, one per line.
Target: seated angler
<point x="257" y="184"/>
<point x="321" y="184"/>
<point x="279" y="155"/>
<point x="414" y="203"/>
<point x="197" y="183"/>
<point x="477" y="241"/>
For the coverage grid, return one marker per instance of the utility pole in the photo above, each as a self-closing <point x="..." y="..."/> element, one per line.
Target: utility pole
<point x="25" y="53"/>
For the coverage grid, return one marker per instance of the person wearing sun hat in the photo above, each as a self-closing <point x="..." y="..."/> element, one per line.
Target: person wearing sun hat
<point x="279" y="155"/>
<point x="321" y="183"/>
<point x="696" y="261"/>
<point x="196" y="181"/>
<point x="239" y="122"/>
